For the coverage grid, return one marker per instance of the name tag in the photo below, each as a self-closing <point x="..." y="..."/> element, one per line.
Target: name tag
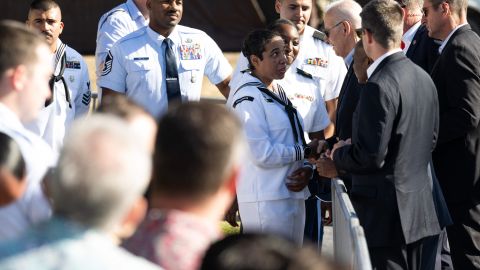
<point x="140" y="58"/>
<point x="73" y="64"/>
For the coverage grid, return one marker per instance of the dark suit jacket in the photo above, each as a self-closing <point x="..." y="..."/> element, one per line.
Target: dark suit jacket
<point x="423" y="50"/>
<point x="457" y="78"/>
<point x="394" y="132"/>
<point x="347" y="102"/>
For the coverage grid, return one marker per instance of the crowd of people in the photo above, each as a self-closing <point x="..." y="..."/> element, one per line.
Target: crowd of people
<point x="386" y="97"/>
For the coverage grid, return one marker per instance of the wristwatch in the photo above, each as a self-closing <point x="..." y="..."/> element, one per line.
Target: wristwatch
<point x="307" y="151"/>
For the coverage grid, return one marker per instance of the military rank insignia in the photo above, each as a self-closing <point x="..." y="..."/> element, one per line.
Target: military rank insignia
<point x="107" y="65"/>
<point x="191" y="51"/>
<point x="317" y="61"/>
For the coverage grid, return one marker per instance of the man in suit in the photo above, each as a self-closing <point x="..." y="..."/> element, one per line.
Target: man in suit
<point x="457" y="78"/>
<point x="418" y="46"/>
<point x="393" y="134"/>
<point x="342" y="26"/>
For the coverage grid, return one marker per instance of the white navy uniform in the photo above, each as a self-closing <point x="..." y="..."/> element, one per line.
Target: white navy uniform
<point x="53" y="121"/>
<point x="316" y="68"/>
<point x="135" y="66"/>
<point x="274" y="155"/>
<point x="33" y="206"/>
<point x="115" y="24"/>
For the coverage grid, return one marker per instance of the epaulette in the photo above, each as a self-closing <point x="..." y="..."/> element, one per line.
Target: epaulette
<point x="242" y="99"/>
<point x="304" y="73"/>
<point x="320" y="35"/>
<point x="110" y="14"/>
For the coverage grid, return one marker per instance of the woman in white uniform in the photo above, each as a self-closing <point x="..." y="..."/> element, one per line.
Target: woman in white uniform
<point x="271" y="191"/>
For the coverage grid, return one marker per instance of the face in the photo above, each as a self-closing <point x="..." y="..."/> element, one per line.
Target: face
<point x="292" y="42"/>
<point x="361" y="62"/>
<point x="434" y="20"/>
<point x="165" y="15"/>
<point x="297" y="11"/>
<point x="36" y="89"/>
<point x="274" y="63"/>
<point x="336" y="34"/>
<point x="49" y="23"/>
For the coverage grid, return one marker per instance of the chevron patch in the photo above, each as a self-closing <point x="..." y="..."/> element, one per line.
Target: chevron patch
<point x="107" y="65"/>
<point x="86" y="98"/>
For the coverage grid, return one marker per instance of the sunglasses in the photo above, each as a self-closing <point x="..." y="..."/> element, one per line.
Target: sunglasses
<point x="327" y="31"/>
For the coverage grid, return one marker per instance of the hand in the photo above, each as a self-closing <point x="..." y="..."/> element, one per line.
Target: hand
<point x="313" y="144"/>
<point x="326" y="167"/>
<point x="339" y="144"/>
<point x="326" y="207"/>
<point x="231" y="215"/>
<point x="299" y="179"/>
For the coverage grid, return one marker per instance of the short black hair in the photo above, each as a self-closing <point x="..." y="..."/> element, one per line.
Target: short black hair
<point x="255" y="42"/>
<point x="43" y="5"/>
<point x="11" y="157"/>
<point x="277" y="25"/>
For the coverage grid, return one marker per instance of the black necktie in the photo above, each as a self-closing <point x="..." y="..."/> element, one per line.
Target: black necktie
<point x="171" y="73"/>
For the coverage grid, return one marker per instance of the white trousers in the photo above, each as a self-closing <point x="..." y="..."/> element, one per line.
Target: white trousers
<point x="282" y="217"/>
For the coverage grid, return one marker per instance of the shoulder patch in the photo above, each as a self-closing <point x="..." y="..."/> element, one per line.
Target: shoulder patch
<point x="107" y="65"/>
<point x="320" y="35"/>
<point x="86" y="98"/>
<point x="242" y="99"/>
<point x="304" y="73"/>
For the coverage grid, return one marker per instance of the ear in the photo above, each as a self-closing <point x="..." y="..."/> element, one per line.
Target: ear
<point x="255" y="60"/>
<point x="134" y="217"/>
<point x="17" y="77"/>
<point x="278" y="6"/>
<point x="446" y="8"/>
<point x="347" y="28"/>
<point x="369" y="36"/>
<point x="61" y="27"/>
<point x="149" y="4"/>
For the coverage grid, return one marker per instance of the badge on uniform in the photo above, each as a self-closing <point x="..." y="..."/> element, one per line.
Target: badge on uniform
<point x="71" y="78"/>
<point x="190" y="51"/>
<point x="73" y="64"/>
<point x="317" y="61"/>
<point x="107" y="65"/>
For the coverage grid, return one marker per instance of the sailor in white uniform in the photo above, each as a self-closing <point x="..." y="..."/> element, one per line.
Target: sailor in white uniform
<point x="70" y="83"/>
<point x="272" y="187"/>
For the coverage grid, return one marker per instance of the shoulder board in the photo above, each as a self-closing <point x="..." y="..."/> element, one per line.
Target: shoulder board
<point x="242" y="99"/>
<point x="304" y="73"/>
<point x="320" y="35"/>
<point x="115" y="10"/>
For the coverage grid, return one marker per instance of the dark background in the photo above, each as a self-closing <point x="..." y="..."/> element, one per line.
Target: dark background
<point x="226" y="21"/>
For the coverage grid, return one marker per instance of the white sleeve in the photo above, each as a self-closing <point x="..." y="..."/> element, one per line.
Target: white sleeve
<point x="109" y="32"/>
<point x="337" y="72"/>
<point x="217" y="67"/>
<point x="236" y="81"/>
<point x="84" y="95"/>
<point x="114" y="75"/>
<point x="264" y="152"/>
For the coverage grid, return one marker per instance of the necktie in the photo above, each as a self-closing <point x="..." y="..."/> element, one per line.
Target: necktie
<point x="171" y="73"/>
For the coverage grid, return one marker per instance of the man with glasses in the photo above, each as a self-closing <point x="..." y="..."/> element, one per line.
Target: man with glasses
<point x="457" y="78"/>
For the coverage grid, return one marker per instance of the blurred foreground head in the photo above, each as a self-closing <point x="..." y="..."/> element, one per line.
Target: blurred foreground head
<point x="261" y="252"/>
<point x="102" y="173"/>
<point x="198" y="151"/>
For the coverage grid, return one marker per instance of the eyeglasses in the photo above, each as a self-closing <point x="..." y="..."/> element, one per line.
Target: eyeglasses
<point x="327" y="31"/>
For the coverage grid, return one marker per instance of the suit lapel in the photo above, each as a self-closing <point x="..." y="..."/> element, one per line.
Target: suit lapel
<point x="415" y="40"/>
<point x="342" y="94"/>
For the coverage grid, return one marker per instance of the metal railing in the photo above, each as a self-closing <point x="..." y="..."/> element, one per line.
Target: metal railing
<point x="349" y="243"/>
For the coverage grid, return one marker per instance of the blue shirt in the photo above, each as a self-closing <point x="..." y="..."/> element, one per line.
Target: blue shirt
<point x="59" y="244"/>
